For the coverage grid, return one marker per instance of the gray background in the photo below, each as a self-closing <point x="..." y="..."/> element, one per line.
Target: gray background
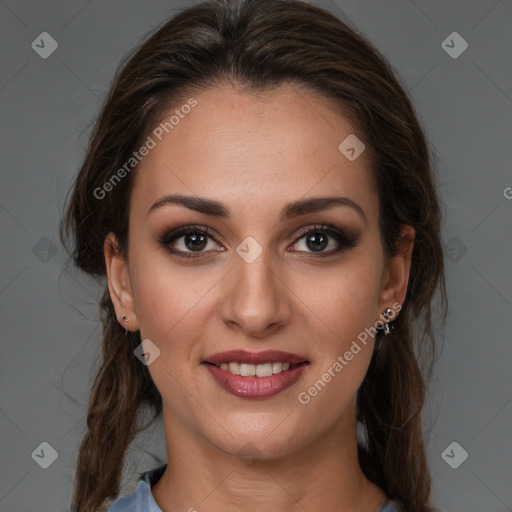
<point x="49" y="321"/>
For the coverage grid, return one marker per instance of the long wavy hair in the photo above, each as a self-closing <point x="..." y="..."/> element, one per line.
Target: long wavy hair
<point x="259" y="45"/>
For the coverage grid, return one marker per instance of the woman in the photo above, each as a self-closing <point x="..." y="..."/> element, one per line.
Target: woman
<point x="259" y="198"/>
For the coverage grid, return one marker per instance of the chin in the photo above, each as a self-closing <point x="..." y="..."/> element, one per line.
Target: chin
<point x="261" y="444"/>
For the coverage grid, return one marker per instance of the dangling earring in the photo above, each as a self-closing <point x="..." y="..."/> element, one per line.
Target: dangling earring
<point x="385" y="327"/>
<point x="123" y="317"/>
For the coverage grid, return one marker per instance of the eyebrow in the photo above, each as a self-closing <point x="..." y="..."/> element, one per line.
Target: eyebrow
<point x="289" y="211"/>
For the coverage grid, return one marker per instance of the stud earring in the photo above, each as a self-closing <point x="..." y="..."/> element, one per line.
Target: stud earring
<point x="124" y="317"/>
<point x="385" y="328"/>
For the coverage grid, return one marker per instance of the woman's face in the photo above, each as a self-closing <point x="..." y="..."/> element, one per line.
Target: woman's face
<point x="260" y="283"/>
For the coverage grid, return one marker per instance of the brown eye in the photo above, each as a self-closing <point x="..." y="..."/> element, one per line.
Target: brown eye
<point x="317" y="239"/>
<point x="195" y="240"/>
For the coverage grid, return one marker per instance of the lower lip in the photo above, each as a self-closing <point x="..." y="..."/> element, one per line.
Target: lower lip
<point x="256" y="387"/>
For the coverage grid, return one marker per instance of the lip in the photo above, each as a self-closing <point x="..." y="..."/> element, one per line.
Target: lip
<point x="256" y="387"/>
<point x="243" y="356"/>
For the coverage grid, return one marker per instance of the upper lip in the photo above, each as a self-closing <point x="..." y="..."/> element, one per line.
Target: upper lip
<point x="243" y="356"/>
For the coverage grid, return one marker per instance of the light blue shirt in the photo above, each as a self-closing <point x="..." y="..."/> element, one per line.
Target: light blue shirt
<point x="141" y="500"/>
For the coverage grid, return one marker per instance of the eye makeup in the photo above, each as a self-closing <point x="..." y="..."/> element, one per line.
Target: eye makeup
<point x="199" y="235"/>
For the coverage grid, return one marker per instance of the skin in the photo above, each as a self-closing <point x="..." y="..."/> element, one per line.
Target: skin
<point x="256" y="153"/>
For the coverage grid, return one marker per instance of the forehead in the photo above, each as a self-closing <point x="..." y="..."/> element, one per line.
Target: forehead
<point x="250" y="149"/>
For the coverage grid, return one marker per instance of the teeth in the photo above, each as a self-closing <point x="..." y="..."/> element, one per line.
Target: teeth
<point x="277" y="367"/>
<point x="247" y="370"/>
<point x="234" y="368"/>
<point x="251" y="370"/>
<point x="264" y="370"/>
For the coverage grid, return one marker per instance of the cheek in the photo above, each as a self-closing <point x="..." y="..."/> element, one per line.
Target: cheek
<point x="342" y="311"/>
<point x="172" y="307"/>
<point x="342" y="302"/>
<point x="170" y="298"/>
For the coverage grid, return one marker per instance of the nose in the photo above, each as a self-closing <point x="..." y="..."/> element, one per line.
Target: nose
<point x="256" y="300"/>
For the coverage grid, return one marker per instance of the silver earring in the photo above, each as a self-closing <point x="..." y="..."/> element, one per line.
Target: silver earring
<point x="385" y="327"/>
<point x="123" y="317"/>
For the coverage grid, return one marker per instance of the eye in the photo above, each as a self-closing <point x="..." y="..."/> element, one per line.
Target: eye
<point x="195" y="240"/>
<point x="188" y="240"/>
<point x="317" y="240"/>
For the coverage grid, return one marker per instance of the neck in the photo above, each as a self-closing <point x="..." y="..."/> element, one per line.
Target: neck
<point x="324" y="475"/>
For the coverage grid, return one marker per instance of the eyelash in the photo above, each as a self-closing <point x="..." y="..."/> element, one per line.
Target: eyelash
<point x="344" y="240"/>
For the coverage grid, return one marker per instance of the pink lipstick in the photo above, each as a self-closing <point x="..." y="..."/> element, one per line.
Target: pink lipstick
<point x="255" y="374"/>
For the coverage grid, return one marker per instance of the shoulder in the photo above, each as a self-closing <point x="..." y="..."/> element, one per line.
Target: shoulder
<point x="128" y="503"/>
<point x="390" y="506"/>
<point x="141" y="498"/>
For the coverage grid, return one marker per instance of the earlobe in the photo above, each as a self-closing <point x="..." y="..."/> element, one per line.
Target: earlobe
<point x="119" y="284"/>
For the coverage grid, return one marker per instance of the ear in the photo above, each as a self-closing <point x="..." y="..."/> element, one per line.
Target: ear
<point x="395" y="275"/>
<point x="119" y="284"/>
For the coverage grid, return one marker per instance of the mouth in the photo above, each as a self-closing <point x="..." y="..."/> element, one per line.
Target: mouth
<point x="255" y="374"/>
<point x="257" y="370"/>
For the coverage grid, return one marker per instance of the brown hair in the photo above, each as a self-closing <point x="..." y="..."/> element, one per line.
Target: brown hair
<point x="258" y="45"/>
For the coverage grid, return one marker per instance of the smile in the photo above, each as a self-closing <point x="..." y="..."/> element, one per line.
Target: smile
<point x="255" y="375"/>
<point x="258" y="370"/>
